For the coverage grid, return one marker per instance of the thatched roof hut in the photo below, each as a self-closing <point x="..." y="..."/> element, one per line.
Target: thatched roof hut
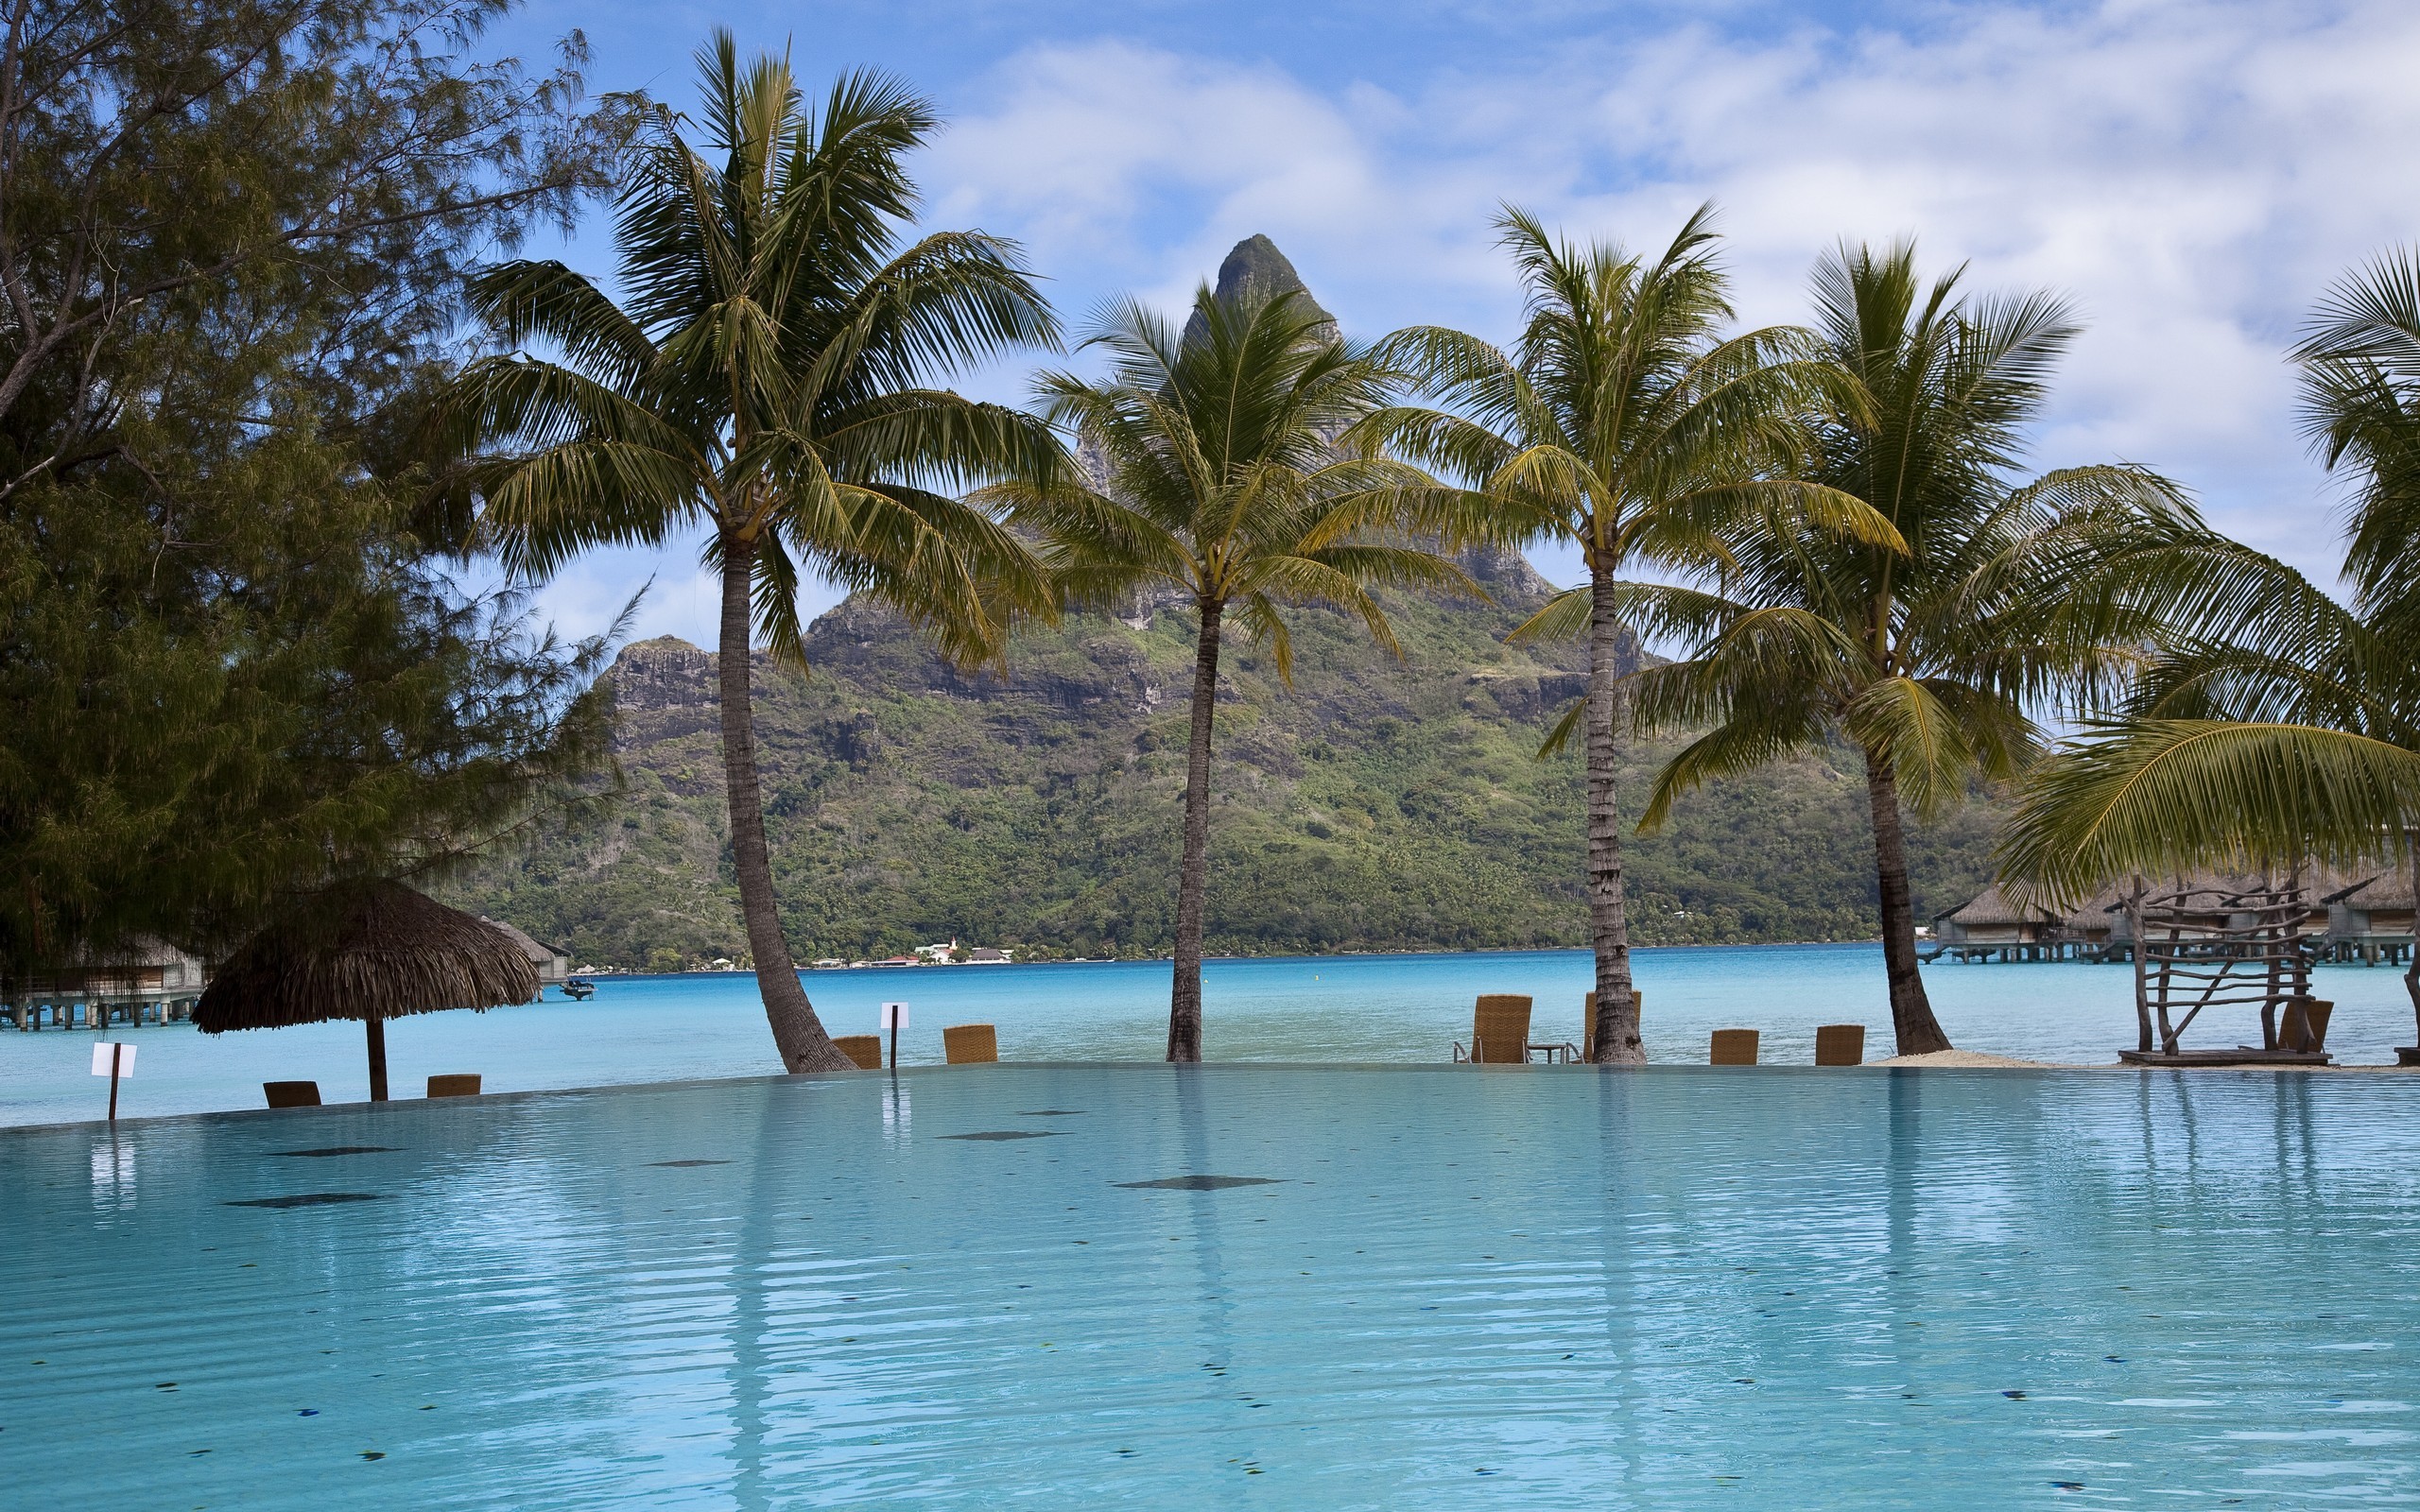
<point x="368" y="951"/>
<point x="553" y="963"/>
<point x="2372" y="902"/>
<point x="1990" y="916"/>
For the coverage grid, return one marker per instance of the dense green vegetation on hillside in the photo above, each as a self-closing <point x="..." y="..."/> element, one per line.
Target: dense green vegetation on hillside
<point x="1376" y="805"/>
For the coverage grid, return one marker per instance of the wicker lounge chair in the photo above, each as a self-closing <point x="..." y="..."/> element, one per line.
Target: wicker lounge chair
<point x="865" y="1049"/>
<point x="1839" y="1044"/>
<point x="1733" y="1047"/>
<point x="970" y="1044"/>
<point x="1499" y="1031"/>
<point x="1588" y="1021"/>
<point x="460" y="1084"/>
<point x="291" y="1093"/>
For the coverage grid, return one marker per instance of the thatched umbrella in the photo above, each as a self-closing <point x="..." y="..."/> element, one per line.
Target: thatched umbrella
<point x="368" y="951"/>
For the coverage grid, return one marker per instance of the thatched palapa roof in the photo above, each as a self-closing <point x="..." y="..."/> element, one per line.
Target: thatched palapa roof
<point x="1992" y="907"/>
<point x="2389" y="888"/>
<point x="537" y="950"/>
<point x="365" y="949"/>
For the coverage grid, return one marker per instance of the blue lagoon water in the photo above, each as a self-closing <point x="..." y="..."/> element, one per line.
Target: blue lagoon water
<point x="1330" y="1008"/>
<point x="1420" y="1288"/>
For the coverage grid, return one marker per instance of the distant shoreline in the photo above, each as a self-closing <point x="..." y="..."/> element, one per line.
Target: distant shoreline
<point x="1272" y="955"/>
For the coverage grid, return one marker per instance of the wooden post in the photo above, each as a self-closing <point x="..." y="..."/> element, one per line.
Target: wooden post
<point x="376" y="1027"/>
<point x="2142" y="993"/>
<point x="117" y="1063"/>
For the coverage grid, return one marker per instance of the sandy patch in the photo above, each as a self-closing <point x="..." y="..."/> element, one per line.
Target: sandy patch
<point x="1974" y="1057"/>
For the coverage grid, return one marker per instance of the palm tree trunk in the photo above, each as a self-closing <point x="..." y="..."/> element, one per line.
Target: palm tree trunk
<point x="1617" y="1042"/>
<point x="1193" y="871"/>
<point x="798" y="1033"/>
<point x="1913" y="1025"/>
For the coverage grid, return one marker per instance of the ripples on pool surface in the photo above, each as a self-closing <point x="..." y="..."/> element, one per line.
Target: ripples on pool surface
<point x="1443" y="1289"/>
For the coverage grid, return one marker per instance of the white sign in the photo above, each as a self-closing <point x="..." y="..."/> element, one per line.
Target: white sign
<point x="105" y="1052"/>
<point x="895" y="1016"/>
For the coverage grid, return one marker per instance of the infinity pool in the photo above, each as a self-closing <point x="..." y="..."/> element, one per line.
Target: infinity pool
<point x="1284" y="1287"/>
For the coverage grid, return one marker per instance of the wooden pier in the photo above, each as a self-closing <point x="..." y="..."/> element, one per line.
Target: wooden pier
<point x="148" y="982"/>
<point x="43" y="1010"/>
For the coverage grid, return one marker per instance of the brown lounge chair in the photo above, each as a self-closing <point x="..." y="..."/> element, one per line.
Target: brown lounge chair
<point x="291" y="1093"/>
<point x="1733" y="1047"/>
<point x="1499" y="1031"/>
<point x="1588" y="1021"/>
<point x="1839" y="1044"/>
<point x="2305" y="1025"/>
<point x="865" y="1049"/>
<point x="970" y="1044"/>
<point x="455" y="1084"/>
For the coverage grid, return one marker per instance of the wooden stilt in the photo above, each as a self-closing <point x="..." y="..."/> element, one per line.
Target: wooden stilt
<point x="2142" y="990"/>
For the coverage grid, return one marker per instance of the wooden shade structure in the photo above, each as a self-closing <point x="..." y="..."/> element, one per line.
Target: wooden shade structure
<point x="368" y="951"/>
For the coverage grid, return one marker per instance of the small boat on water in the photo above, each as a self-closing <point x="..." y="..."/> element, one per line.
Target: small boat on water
<point x="579" y="988"/>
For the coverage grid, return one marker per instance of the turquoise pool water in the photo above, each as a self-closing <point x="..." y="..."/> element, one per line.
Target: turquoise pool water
<point x="1428" y="1288"/>
<point x="1329" y="1008"/>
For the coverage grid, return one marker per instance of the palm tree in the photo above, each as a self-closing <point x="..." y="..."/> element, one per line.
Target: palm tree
<point x="2284" y="727"/>
<point x="1625" y="423"/>
<point x="765" y="379"/>
<point x="1931" y="662"/>
<point x="1225" y="480"/>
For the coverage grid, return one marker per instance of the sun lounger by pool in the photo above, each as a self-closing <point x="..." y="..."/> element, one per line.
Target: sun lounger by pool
<point x="1588" y="1021"/>
<point x="2305" y="1026"/>
<point x="456" y="1084"/>
<point x="291" y="1093"/>
<point x="1499" y="1031"/>
<point x="865" y="1049"/>
<point x="970" y="1044"/>
<point x="1733" y="1047"/>
<point x="1839" y="1044"/>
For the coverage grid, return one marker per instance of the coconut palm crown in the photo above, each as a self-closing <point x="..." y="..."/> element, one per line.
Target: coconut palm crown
<point x="2281" y="727"/>
<point x="765" y="380"/>
<point x="1626" y="423"/>
<point x="1931" y="662"/>
<point x="1224" y="479"/>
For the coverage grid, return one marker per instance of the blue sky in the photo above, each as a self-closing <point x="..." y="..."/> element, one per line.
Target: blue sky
<point x="2192" y="174"/>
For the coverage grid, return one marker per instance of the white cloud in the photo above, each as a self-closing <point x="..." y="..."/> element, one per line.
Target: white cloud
<point x="2192" y="174"/>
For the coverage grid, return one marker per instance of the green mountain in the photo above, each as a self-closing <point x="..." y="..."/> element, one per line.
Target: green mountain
<point x="1376" y="805"/>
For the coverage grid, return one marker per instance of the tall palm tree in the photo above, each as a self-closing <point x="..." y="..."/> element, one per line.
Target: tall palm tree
<point x="1931" y="662"/>
<point x="766" y="379"/>
<point x="1626" y="423"/>
<point x="2285" y="727"/>
<point x="1226" y="480"/>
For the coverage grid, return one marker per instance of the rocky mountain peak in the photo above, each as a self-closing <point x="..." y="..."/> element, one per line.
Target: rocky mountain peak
<point x="1255" y="268"/>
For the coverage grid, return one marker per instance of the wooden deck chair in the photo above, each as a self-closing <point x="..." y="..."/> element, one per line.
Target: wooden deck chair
<point x="291" y="1093"/>
<point x="458" y="1084"/>
<point x="970" y="1044"/>
<point x="1588" y="1021"/>
<point x="1499" y="1031"/>
<point x="1733" y="1047"/>
<point x="1839" y="1044"/>
<point x="865" y="1049"/>
<point x="2305" y="1025"/>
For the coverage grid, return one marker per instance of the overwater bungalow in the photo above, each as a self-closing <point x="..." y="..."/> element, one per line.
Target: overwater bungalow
<point x="149" y="982"/>
<point x="553" y="962"/>
<point x="2370" y="919"/>
<point x="1989" y="926"/>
